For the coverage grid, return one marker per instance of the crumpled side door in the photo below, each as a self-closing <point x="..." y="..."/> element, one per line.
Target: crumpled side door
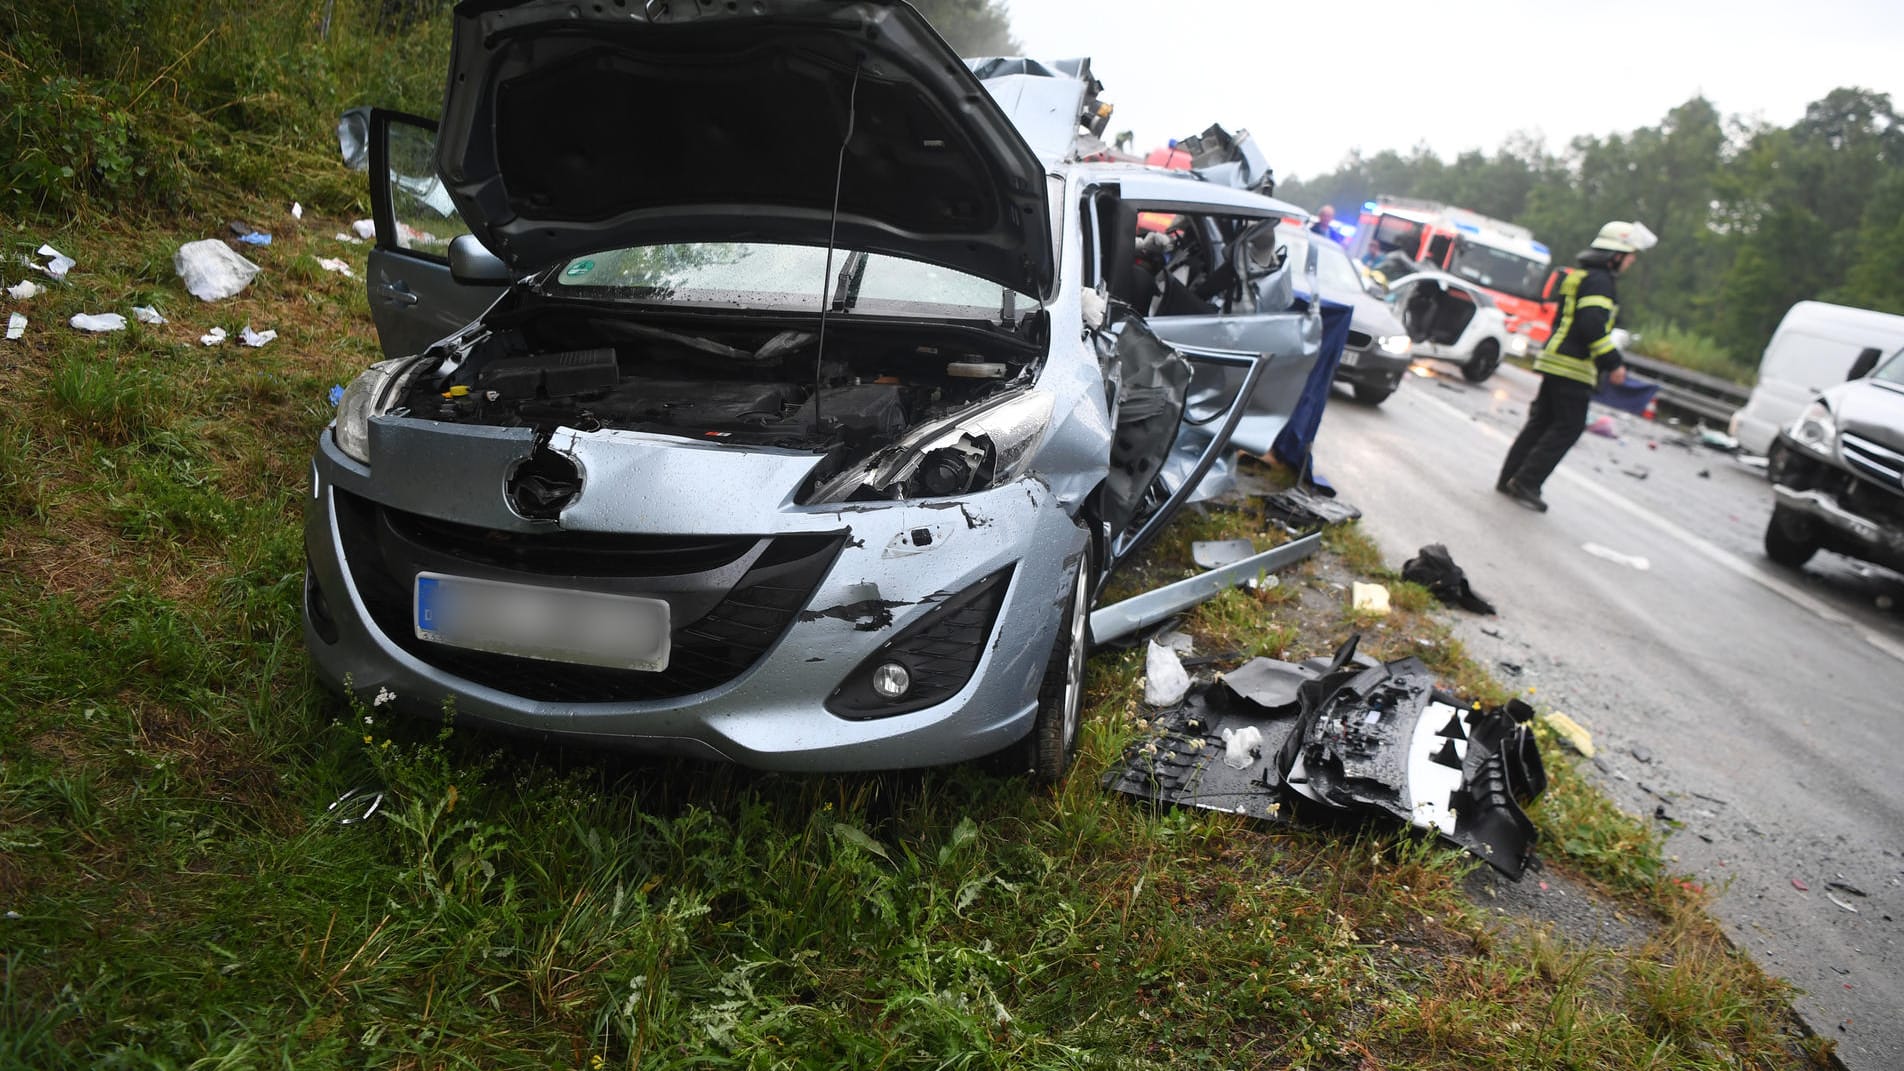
<point x="413" y="299"/>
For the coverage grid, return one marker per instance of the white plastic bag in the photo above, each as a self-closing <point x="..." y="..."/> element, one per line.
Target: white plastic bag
<point x="147" y="314"/>
<point x="336" y="264"/>
<point x="212" y="272"/>
<point x="255" y="339"/>
<point x="364" y="229"/>
<point x="26" y="288"/>
<point x="1165" y="681"/>
<point x="58" y="266"/>
<point x="16" y="326"/>
<point x="97" y="322"/>
<point x="1239" y="745"/>
<point x="212" y="337"/>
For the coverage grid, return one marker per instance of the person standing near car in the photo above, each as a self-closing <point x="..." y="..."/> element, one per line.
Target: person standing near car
<point x="1325" y="217"/>
<point x="1580" y="350"/>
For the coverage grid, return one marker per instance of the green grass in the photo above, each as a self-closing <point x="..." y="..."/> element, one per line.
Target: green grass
<point x="1668" y="341"/>
<point x="186" y="901"/>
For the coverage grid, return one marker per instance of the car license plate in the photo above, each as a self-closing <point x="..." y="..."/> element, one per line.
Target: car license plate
<point x="552" y="624"/>
<point x="1349" y="358"/>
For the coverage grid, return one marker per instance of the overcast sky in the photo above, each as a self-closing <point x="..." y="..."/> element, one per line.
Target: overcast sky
<point x="1457" y="74"/>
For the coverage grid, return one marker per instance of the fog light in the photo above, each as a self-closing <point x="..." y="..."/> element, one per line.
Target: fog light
<point x="892" y="680"/>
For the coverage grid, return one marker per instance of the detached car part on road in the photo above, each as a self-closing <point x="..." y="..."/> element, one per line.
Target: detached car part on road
<point x="1838" y="474"/>
<point x="804" y="417"/>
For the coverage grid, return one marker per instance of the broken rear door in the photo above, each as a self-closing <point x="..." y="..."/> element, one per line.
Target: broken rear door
<point x="413" y="300"/>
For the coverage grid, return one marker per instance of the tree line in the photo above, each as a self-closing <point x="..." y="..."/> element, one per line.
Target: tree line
<point x="1752" y="217"/>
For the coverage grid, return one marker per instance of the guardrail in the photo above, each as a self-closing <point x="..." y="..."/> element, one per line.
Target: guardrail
<point x="1692" y="394"/>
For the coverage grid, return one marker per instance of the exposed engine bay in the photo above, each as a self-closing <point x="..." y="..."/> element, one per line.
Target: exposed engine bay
<point x="752" y="383"/>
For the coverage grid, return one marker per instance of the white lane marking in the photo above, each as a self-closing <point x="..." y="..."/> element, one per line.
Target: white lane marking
<point x="1695" y="543"/>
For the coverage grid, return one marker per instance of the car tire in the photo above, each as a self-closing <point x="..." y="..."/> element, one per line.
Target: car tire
<point x="1372" y="393"/>
<point x="1048" y="751"/>
<point x="1790" y="539"/>
<point x="1487" y="358"/>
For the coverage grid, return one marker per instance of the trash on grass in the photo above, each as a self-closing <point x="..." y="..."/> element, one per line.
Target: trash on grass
<point x="212" y="337"/>
<point x="16" y="326"/>
<point x="98" y="322"/>
<point x="1433" y="568"/>
<point x="212" y="272"/>
<point x="336" y="394"/>
<point x="336" y="264"/>
<point x="24" y="289"/>
<point x="255" y="238"/>
<point x="1273" y="686"/>
<point x="1217" y="553"/>
<point x="58" y="266"/>
<point x="1165" y="680"/>
<point x="1608" y="553"/>
<point x="1604" y="428"/>
<point x="1571" y="732"/>
<point x="1179" y="643"/>
<point x="297" y="210"/>
<point x="147" y="314"/>
<point x="365" y="229"/>
<point x="1298" y="510"/>
<point x="1364" y="739"/>
<point x="1242" y="747"/>
<point x="1369" y="598"/>
<point x="352" y="239"/>
<point x="354" y="806"/>
<point x="255" y="339"/>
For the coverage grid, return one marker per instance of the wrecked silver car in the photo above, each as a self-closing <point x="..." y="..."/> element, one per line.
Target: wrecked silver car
<point x="797" y="423"/>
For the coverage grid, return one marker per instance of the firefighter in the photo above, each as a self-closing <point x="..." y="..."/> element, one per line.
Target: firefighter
<point x="1579" y="351"/>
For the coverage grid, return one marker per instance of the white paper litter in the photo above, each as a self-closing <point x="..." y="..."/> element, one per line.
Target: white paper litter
<point x="338" y="265"/>
<point x="364" y="228"/>
<point x="1165" y="681"/>
<point x="297" y="210"/>
<point x="212" y="337"/>
<point x="1237" y="745"/>
<point x="59" y="265"/>
<point x="255" y="339"/>
<point x="25" y="289"/>
<point x="212" y="272"/>
<point x="1608" y="553"/>
<point x="146" y="314"/>
<point x="16" y="326"/>
<point x="97" y="322"/>
<point x="352" y="239"/>
<point x="1372" y="598"/>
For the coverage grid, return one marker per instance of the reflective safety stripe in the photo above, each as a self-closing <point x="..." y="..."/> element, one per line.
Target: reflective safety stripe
<point x="1579" y="369"/>
<point x="1595" y="301"/>
<point x="1602" y="347"/>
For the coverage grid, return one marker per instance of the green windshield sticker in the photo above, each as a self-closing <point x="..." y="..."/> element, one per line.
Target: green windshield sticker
<point x="580" y="268"/>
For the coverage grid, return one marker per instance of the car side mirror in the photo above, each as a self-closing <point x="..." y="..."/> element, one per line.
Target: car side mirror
<point x="473" y="265"/>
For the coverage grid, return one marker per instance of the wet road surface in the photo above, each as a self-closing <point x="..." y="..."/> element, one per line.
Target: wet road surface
<point x="1760" y="708"/>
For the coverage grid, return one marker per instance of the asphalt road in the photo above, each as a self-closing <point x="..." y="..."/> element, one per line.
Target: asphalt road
<point x="1759" y="708"/>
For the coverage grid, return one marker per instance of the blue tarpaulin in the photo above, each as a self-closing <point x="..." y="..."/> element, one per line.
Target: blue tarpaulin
<point x="1292" y="446"/>
<point x="1633" y="396"/>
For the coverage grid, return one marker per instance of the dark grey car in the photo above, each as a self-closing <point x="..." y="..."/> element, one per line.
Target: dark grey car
<point x="1379" y="350"/>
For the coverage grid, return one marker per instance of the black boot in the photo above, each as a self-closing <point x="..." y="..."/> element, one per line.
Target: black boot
<point x="1530" y="499"/>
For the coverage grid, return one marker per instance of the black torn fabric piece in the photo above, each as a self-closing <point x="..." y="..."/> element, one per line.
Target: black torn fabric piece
<point x="1299" y="510"/>
<point x="1433" y="568"/>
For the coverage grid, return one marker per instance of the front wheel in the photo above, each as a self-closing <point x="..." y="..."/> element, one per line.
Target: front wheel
<point x="1790" y="538"/>
<point x="1487" y="358"/>
<point x="1053" y="742"/>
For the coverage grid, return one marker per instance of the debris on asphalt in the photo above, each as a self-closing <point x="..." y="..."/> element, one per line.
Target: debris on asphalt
<point x="1363" y="738"/>
<point x="1841" y="903"/>
<point x="1165" y="680"/>
<point x="336" y="264"/>
<point x="98" y="322"/>
<point x="1494" y="632"/>
<point x="1604" y="428"/>
<point x="58" y="265"/>
<point x="1641" y="753"/>
<point x="1512" y="669"/>
<point x="1638" y="472"/>
<point x="1705" y="474"/>
<point x="1369" y="598"/>
<point x="147" y="314"/>
<point x="1846" y="887"/>
<point x="1717" y="440"/>
<point x="1299" y="510"/>
<point x="211" y="271"/>
<point x="1800" y="886"/>
<point x="212" y="337"/>
<point x="24" y="289"/>
<point x="1570" y="732"/>
<point x="1632" y="561"/>
<point x="255" y="339"/>
<point x="1216" y="553"/>
<point x="16" y="326"/>
<point x="1433" y="568"/>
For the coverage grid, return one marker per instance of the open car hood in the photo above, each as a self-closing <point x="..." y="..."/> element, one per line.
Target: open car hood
<point x="572" y="128"/>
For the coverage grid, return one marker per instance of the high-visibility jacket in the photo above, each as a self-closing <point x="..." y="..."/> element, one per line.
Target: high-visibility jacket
<point x="1581" y="345"/>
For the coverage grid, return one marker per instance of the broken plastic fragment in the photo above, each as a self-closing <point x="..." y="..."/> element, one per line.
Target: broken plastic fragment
<point x="1216" y="553"/>
<point x="212" y="337"/>
<point x="146" y="314"/>
<point x="1165" y="681"/>
<point x="1369" y="598"/>
<point x="255" y="339"/>
<point x="1841" y="903"/>
<point x="336" y="394"/>
<point x="1800" y="886"/>
<point x="1603" y="427"/>
<point x="255" y="238"/>
<point x="98" y="322"/>
<point x="1571" y="732"/>
<point x="59" y="265"/>
<point x="336" y="264"/>
<point x="24" y="289"/>
<point x="1241" y="747"/>
<point x="16" y="326"/>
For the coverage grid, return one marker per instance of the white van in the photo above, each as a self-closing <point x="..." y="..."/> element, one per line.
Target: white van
<point x="1813" y="350"/>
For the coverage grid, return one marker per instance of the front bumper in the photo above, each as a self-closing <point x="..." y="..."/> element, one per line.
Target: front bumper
<point x="848" y="579"/>
<point x="1372" y="367"/>
<point x="1855" y="515"/>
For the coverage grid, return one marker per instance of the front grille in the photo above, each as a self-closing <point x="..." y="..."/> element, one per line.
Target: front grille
<point x="730" y="598"/>
<point x="1360" y="340"/>
<point x="1869" y="459"/>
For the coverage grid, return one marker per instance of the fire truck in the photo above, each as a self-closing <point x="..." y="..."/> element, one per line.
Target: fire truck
<point x="1500" y="258"/>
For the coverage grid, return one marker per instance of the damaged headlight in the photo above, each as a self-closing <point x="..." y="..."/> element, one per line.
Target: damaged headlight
<point x="1395" y="345"/>
<point x="1817" y="429"/>
<point x="369" y="395"/>
<point x="984" y="447"/>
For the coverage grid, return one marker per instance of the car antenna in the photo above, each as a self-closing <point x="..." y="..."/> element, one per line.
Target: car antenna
<point x="832" y="234"/>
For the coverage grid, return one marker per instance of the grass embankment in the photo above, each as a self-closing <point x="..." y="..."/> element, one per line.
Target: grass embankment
<point x="183" y="899"/>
